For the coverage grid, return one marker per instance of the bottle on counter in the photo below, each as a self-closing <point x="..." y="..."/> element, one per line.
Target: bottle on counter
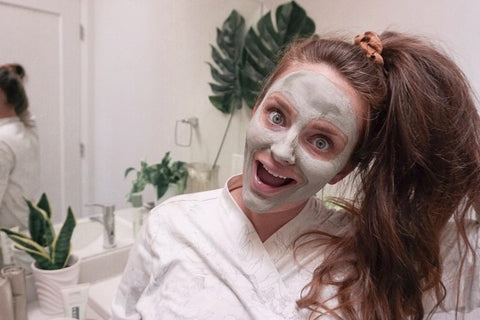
<point x="6" y="311"/>
<point x="139" y="212"/>
<point x="16" y="276"/>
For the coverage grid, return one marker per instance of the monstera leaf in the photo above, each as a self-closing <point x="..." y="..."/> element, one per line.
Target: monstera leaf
<point x="227" y="91"/>
<point x="243" y="62"/>
<point x="262" y="50"/>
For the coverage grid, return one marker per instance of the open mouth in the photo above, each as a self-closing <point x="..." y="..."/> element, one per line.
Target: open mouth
<point x="272" y="179"/>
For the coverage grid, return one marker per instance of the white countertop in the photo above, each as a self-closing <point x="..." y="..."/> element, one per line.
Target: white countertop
<point x="34" y="313"/>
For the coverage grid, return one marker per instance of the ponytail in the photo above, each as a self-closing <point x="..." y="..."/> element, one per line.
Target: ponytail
<point x="418" y="167"/>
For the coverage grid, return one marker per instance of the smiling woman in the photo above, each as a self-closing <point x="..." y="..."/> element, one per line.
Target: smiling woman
<point x="264" y="247"/>
<point x="314" y="127"/>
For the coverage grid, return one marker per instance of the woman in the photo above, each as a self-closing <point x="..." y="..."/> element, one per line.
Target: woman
<point x="391" y="107"/>
<point x="19" y="149"/>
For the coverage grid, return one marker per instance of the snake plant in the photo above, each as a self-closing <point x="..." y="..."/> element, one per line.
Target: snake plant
<point x="49" y="249"/>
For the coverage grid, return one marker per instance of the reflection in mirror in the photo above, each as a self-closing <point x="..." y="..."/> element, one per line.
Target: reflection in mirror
<point x="19" y="149"/>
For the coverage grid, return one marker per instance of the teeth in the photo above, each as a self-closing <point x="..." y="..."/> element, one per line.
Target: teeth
<point x="274" y="174"/>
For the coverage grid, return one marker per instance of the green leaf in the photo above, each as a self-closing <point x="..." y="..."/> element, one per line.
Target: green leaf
<point x="271" y="37"/>
<point x="127" y="171"/>
<point x="227" y="56"/>
<point x="225" y="78"/>
<point x="45" y="205"/>
<point x="39" y="225"/>
<point x="292" y="21"/>
<point x="39" y="254"/>
<point x="221" y="102"/>
<point x="223" y="63"/>
<point x="161" y="190"/>
<point x="159" y="175"/>
<point x="42" y="262"/>
<point x="26" y="244"/>
<point x="262" y="48"/>
<point x="250" y="90"/>
<point x="11" y="233"/>
<point x="61" y="244"/>
<point x="221" y="89"/>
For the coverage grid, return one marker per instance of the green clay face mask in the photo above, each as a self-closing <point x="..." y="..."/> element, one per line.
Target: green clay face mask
<point x="290" y="152"/>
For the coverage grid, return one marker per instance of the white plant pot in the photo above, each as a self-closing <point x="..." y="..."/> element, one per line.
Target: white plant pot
<point x="49" y="282"/>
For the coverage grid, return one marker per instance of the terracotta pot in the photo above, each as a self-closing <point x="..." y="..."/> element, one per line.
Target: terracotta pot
<point x="49" y="282"/>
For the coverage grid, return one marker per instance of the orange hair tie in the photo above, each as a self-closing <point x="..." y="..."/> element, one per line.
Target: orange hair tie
<point x="372" y="45"/>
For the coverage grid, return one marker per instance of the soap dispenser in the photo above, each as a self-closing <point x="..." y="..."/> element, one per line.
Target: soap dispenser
<point x="138" y="212"/>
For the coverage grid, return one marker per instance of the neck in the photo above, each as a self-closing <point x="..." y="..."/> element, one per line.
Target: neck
<point x="6" y="111"/>
<point x="267" y="223"/>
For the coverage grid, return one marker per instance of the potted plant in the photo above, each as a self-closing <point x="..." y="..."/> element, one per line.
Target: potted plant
<point x="53" y="266"/>
<point x="243" y="61"/>
<point x="166" y="177"/>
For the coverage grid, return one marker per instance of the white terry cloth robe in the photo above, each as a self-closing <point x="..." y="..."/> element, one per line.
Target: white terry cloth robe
<point x="19" y="171"/>
<point x="199" y="257"/>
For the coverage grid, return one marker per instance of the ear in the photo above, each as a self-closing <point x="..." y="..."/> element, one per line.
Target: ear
<point x="343" y="173"/>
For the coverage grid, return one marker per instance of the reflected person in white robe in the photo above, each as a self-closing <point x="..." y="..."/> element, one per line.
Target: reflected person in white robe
<point x="19" y="149"/>
<point x="264" y="247"/>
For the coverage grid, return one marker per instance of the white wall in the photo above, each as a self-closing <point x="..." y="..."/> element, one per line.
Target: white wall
<point x="148" y="70"/>
<point x="455" y="25"/>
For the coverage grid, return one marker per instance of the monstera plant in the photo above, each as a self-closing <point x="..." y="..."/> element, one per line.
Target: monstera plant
<point x="243" y="61"/>
<point x="49" y="249"/>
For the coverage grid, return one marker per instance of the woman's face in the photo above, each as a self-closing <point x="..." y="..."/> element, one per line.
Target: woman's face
<point x="301" y="137"/>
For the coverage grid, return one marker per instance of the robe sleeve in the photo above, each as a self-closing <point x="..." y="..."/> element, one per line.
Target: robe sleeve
<point x="137" y="275"/>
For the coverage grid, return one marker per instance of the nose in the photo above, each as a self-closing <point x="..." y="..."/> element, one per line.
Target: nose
<point x="283" y="151"/>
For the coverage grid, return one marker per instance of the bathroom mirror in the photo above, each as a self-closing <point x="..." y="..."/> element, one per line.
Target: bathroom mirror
<point x="108" y="80"/>
<point x="92" y="78"/>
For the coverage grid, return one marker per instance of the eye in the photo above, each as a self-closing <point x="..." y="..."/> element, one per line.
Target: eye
<point x="276" y="117"/>
<point x="321" y="143"/>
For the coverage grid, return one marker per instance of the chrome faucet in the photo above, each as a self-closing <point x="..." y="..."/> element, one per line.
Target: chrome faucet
<point x="108" y="222"/>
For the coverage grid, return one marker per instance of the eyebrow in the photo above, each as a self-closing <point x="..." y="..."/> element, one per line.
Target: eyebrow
<point x="329" y="128"/>
<point x="283" y="102"/>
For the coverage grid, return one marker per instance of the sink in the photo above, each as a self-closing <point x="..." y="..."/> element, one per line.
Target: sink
<point x="85" y="232"/>
<point x="87" y="239"/>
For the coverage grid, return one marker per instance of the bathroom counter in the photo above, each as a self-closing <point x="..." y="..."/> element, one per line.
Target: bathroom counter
<point x="101" y="295"/>
<point x="34" y="313"/>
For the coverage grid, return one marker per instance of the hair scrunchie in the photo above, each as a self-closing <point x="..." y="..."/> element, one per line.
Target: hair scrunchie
<point x="372" y="45"/>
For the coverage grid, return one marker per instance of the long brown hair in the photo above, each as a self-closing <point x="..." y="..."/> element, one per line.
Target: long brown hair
<point x="418" y="165"/>
<point x="11" y="83"/>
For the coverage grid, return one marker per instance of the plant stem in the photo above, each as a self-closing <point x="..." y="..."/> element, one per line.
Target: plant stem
<point x="232" y="111"/>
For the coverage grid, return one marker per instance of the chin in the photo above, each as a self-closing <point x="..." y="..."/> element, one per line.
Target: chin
<point x="256" y="203"/>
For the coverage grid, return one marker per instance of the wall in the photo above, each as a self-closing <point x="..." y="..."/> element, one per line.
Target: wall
<point x="453" y="24"/>
<point x="148" y="70"/>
